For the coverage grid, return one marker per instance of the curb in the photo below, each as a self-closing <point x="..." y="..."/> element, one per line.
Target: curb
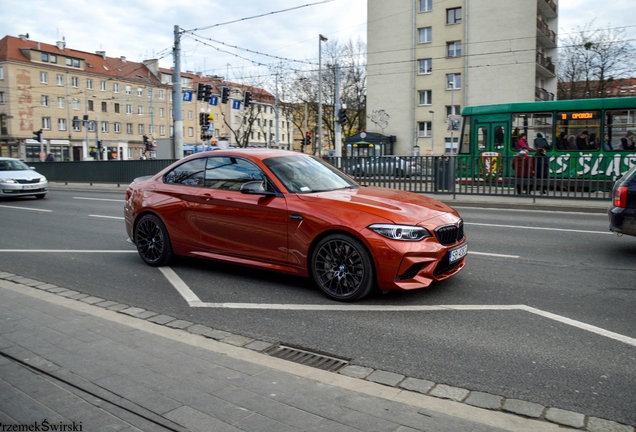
<point x="474" y="398"/>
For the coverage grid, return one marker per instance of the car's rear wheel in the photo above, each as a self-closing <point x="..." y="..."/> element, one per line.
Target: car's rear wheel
<point x="153" y="241"/>
<point x="342" y="268"/>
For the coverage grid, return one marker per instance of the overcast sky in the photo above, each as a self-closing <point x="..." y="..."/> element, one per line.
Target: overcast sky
<point x="288" y="29"/>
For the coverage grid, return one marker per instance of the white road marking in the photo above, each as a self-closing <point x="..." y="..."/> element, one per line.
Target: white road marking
<point x="99" y="199"/>
<point x="26" y="208"/>
<point x="604" y="215"/>
<point x="65" y="251"/>
<point x="193" y="301"/>
<point x="108" y="217"/>
<point x="493" y="254"/>
<point x="538" y="228"/>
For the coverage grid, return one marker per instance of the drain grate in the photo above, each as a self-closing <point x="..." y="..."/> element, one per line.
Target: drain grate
<point x="306" y="358"/>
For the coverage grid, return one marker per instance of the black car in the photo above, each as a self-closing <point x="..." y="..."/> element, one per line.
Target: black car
<point x="622" y="213"/>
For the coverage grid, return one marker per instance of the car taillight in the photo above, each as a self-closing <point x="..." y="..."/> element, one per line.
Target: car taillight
<point x="620" y="197"/>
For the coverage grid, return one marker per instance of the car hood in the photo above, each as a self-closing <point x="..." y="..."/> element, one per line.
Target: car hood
<point x="21" y="175"/>
<point x="390" y="204"/>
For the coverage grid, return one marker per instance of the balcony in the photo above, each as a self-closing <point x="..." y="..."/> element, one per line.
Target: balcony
<point x="543" y="95"/>
<point x="545" y="35"/>
<point x="545" y="65"/>
<point x="547" y="8"/>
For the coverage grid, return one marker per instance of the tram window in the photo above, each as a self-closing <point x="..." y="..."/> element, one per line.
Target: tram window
<point x="620" y="126"/>
<point x="482" y="135"/>
<point x="536" y="126"/>
<point x="578" y="130"/>
<point x="464" y="147"/>
<point x="499" y="137"/>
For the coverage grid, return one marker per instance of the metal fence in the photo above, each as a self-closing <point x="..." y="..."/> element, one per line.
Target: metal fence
<point x="463" y="175"/>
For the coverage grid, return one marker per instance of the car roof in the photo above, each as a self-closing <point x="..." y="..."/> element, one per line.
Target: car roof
<point x="257" y="153"/>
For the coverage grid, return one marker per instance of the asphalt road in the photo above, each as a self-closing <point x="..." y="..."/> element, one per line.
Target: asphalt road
<point x="544" y="308"/>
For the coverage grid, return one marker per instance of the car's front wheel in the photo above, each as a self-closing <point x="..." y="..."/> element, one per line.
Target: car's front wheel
<point x="342" y="268"/>
<point x="153" y="241"/>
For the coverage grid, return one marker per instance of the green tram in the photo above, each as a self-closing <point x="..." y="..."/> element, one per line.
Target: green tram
<point x="590" y="142"/>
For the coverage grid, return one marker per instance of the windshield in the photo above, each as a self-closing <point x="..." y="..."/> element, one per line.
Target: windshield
<point x="13" y="165"/>
<point x="306" y="174"/>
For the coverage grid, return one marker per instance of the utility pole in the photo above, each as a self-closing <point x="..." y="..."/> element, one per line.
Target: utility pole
<point x="336" y="110"/>
<point x="177" y="97"/>
<point x="321" y="38"/>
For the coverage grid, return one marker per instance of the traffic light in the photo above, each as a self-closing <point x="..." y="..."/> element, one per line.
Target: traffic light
<point x="99" y="144"/>
<point x="210" y="118"/>
<point x="203" y="119"/>
<point x="308" y="138"/>
<point x="248" y="99"/>
<point x="147" y="144"/>
<point x="38" y="135"/>
<point x="200" y="91"/>
<point x="225" y="94"/>
<point x="342" y="116"/>
<point x="207" y="92"/>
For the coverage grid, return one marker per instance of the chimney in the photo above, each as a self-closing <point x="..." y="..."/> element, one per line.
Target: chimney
<point x="102" y="54"/>
<point x="123" y="59"/>
<point x="60" y="45"/>
<point x="24" y="36"/>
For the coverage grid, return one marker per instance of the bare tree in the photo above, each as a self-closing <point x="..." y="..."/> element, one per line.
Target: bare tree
<point x="590" y="60"/>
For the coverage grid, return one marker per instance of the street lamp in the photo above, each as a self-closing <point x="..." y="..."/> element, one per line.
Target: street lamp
<point x="432" y="130"/>
<point x="321" y="38"/>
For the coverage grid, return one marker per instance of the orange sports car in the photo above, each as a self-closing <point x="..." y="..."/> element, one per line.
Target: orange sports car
<point x="294" y="213"/>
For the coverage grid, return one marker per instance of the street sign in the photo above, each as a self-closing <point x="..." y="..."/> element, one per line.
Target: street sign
<point x="236" y="104"/>
<point x="214" y="100"/>
<point x="187" y="96"/>
<point x="211" y="126"/>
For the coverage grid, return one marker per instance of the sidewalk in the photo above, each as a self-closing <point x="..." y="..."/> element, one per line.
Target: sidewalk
<point x="83" y="363"/>
<point x="529" y="202"/>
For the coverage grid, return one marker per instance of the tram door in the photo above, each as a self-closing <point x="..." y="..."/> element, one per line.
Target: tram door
<point x="491" y="141"/>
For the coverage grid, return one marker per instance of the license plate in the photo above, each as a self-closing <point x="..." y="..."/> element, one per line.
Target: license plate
<point x="25" y="187"/>
<point x="458" y="253"/>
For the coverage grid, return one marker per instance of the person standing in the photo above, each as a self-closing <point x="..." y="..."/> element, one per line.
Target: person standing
<point x="522" y="144"/>
<point x="542" y="170"/>
<point x="523" y="166"/>
<point x="541" y="142"/>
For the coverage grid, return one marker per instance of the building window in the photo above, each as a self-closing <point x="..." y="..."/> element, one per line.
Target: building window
<point x="75" y="82"/>
<point x="128" y="109"/>
<point x="61" y="124"/>
<point x="425" y="97"/>
<point x="161" y="112"/>
<point x="104" y="107"/>
<point x="152" y="129"/>
<point x="162" y="130"/>
<point x="140" y="110"/>
<point x="2" y="100"/>
<point x="115" y="87"/>
<point x="161" y="93"/>
<point x="45" y="57"/>
<point x="60" y="102"/>
<point x="426" y="66"/>
<point x="453" y="110"/>
<point x="454" y="49"/>
<point x="76" y="104"/>
<point x="89" y="83"/>
<point x="425" y="35"/>
<point x="190" y="115"/>
<point x="454" y="16"/>
<point x="44" y="77"/>
<point x="104" y="127"/>
<point x="76" y="63"/>
<point x="90" y="105"/>
<point x="77" y="126"/>
<point x="140" y="129"/>
<point x="453" y="81"/>
<point x="69" y="61"/>
<point x="424" y="129"/>
<point x="140" y="91"/>
<point x="46" y="123"/>
<point x="91" y="126"/>
<point x="129" y="128"/>
<point x="59" y="79"/>
<point x="102" y="85"/>
<point x="190" y="131"/>
<point x="45" y="100"/>
<point x="117" y="127"/>
<point x="1" y="72"/>
<point x="128" y="89"/>
<point x="426" y="5"/>
<point x="52" y="58"/>
<point x="116" y="107"/>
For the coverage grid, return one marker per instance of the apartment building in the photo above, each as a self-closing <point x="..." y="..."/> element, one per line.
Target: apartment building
<point x="79" y="99"/>
<point x="428" y="59"/>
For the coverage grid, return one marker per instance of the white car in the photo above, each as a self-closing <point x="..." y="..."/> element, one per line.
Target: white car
<point x="18" y="179"/>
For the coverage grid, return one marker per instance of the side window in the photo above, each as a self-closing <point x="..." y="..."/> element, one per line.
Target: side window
<point x="578" y="130"/>
<point x="620" y="126"/>
<point x="533" y="130"/>
<point x="189" y="174"/>
<point x="499" y="137"/>
<point x="229" y="173"/>
<point x="482" y="135"/>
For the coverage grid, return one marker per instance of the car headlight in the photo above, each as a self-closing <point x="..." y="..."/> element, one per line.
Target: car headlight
<point x="401" y="232"/>
<point x="9" y="181"/>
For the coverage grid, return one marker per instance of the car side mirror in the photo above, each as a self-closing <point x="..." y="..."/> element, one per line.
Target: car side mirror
<point x="255" y="187"/>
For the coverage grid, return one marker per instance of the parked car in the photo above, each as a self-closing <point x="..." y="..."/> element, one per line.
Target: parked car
<point x="18" y="179"/>
<point x="622" y="213"/>
<point x="387" y="165"/>
<point x="294" y="213"/>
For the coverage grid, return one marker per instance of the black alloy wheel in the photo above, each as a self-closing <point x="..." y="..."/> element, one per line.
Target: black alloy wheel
<point x="153" y="241"/>
<point x="342" y="267"/>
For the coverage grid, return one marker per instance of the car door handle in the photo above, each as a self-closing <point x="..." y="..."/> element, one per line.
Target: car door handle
<point x="296" y="216"/>
<point x="207" y="196"/>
